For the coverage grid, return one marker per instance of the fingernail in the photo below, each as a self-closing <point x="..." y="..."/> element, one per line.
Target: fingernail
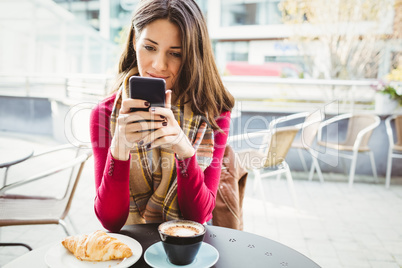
<point x="163" y="117"/>
<point x="152" y="109"/>
<point x="140" y="143"/>
<point x="148" y="146"/>
<point x="164" y="124"/>
<point x="147" y="103"/>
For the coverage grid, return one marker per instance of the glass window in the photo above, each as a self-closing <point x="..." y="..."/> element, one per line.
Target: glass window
<point x="230" y="53"/>
<point x="120" y="17"/>
<point x="292" y="66"/>
<point x="236" y="51"/>
<point x="57" y="44"/>
<point x="272" y="13"/>
<point x="250" y="12"/>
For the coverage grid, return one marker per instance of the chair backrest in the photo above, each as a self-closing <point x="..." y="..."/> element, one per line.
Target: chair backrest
<point x="398" y="127"/>
<point x="310" y="128"/>
<point x="394" y="133"/>
<point x="276" y="141"/>
<point x="357" y="123"/>
<point x="279" y="143"/>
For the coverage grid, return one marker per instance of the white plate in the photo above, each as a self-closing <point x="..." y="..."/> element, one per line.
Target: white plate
<point x="59" y="257"/>
<point x="156" y="257"/>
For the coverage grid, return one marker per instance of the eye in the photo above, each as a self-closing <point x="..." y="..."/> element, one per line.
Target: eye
<point x="149" y="48"/>
<point x="176" y="55"/>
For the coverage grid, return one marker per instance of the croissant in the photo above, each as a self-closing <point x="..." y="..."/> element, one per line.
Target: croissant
<point x="97" y="246"/>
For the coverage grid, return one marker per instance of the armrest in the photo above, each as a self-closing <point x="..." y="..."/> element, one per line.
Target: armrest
<point x="272" y="127"/>
<point x="291" y="117"/>
<point x="329" y="122"/>
<point x="245" y="136"/>
<point x="79" y="159"/>
<point x="363" y="132"/>
<point x="60" y="147"/>
<point x="388" y="127"/>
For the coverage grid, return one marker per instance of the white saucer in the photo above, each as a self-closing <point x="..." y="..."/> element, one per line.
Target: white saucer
<point x="59" y="257"/>
<point x="156" y="257"/>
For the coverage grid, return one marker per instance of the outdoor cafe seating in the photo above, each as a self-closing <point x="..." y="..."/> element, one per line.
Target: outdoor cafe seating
<point x="306" y="142"/>
<point x="359" y="130"/>
<point x="266" y="157"/>
<point x="40" y="189"/>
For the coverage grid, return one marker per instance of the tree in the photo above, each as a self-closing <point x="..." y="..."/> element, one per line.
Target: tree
<point x="353" y="33"/>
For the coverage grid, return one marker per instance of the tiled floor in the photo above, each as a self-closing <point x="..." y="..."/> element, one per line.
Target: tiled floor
<point x="335" y="225"/>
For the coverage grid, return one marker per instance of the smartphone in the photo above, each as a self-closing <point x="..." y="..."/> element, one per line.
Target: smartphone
<point x="149" y="89"/>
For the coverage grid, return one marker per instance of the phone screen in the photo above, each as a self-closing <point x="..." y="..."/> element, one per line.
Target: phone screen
<point x="149" y="89"/>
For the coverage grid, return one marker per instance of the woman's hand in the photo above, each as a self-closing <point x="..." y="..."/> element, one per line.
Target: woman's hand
<point x="132" y="127"/>
<point x="170" y="133"/>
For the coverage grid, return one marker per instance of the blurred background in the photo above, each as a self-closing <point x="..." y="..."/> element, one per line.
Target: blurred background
<point x="59" y="58"/>
<point x="289" y="38"/>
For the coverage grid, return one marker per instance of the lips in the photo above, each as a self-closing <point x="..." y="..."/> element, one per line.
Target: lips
<point x="157" y="76"/>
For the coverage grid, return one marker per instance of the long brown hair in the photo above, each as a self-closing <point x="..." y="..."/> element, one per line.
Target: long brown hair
<point x="199" y="81"/>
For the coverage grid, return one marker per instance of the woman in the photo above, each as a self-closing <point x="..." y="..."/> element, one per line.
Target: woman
<point x="163" y="163"/>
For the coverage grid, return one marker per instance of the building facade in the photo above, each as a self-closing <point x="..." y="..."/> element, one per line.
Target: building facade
<point x="247" y="35"/>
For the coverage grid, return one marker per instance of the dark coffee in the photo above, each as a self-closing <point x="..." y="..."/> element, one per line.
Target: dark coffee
<point x="181" y="240"/>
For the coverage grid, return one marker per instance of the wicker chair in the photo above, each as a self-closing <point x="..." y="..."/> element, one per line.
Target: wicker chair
<point x="55" y="175"/>
<point x="305" y="141"/>
<point x="359" y="130"/>
<point x="267" y="158"/>
<point x="395" y="147"/>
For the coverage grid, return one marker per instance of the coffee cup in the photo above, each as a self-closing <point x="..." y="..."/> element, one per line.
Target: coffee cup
<point x="181" y="240"/>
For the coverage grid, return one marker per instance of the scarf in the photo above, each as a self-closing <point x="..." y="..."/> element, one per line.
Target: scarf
<point x="153" y="177"/>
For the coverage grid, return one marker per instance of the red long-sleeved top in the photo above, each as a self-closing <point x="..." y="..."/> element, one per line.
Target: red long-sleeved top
<point x="196" y="189"/>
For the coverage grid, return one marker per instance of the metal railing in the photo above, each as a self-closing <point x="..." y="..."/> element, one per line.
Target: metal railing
<point x="295" y="95"/>
<point x="53" y="86"/>
<point x="251" y="93"/>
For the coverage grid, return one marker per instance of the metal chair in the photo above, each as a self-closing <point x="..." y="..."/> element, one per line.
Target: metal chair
<point x="306" y="140"/>
<point x="395" y="148"/>
<point x="60" y="169"/>
<point x="359" y="130"/>
<point x="267" y="158"/>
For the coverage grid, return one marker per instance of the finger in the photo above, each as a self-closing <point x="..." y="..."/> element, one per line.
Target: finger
<point x="161" y="113"/>
<point x="159" y="142"/>
<point x="136" y="137"/>
<point x="134" y="133"/>
<point x="139" y="116"/>
<point x="168" y="99"/>
<point x="125" y="119"/>
<point x="143" y="126"/>
<point x="165" y="141"/>
<point x="157" y="135"/>
<point x="157" y="116"/>
<point x="126" y="137"/>
<point x="127" y="104"/>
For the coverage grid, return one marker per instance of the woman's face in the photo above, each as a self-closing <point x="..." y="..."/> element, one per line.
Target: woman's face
<point x="159" y="51"/>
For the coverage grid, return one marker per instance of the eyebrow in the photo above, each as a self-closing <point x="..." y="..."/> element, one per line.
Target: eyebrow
<point x="152" y="41"/>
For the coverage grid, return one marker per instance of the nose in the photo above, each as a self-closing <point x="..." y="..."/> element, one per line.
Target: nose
<point x="160" y="62"/>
